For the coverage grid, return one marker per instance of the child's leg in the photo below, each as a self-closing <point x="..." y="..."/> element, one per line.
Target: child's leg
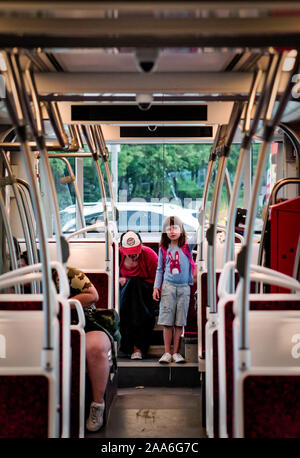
<point x="183" y="299"/>
<point x="168" y="333"/>
<point x="177" y="334"/>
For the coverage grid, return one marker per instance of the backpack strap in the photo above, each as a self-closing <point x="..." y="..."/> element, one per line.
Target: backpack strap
<point x="164" y="253"/>
<point x="185" y="248"/>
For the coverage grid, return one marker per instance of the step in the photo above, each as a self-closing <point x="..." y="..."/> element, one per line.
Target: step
<point x="155" y="351"/>
<point x="188" y="348"/>
<point x="149" y="372"/>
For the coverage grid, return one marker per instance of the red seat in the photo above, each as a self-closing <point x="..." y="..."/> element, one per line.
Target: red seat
<point x="229" y="317"/>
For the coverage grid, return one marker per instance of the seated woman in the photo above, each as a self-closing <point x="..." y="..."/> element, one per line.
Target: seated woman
<point x="97" y="342"/>
<point x="97" y="346"/>
<point x="138" y="265"/>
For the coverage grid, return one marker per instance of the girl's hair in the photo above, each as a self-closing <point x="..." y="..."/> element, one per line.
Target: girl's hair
<point x="172" y="221"/>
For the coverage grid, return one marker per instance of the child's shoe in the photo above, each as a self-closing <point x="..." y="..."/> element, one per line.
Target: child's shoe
<point x="136" y="355"/>
<point x="177" y="358"/>
<point x="166" y="358"/>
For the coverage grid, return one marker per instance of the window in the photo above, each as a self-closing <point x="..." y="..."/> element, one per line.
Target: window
<point x="151" y="181"/>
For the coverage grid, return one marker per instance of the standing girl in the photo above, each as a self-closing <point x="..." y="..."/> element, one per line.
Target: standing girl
<point x="175" y="274"/>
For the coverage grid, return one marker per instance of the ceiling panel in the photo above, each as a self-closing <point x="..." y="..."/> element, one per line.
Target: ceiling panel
<point x="100" y="60"/>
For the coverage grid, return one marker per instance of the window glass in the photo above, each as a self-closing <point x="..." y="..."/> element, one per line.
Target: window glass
<point x="165" y="177"/>
<point x="91" y="188"/>
<point x="151" y="181"/>
<point x="65" y="190"/>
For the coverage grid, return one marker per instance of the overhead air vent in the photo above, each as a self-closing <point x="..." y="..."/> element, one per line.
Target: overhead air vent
<point x="128" y="113"/>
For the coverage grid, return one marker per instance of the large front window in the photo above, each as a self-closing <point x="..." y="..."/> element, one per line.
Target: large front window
<point x="152" y="181"/>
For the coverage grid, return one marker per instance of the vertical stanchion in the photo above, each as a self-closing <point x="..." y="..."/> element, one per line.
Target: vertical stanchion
<point x="17" y="113"/>
<point x="244" y="257"/>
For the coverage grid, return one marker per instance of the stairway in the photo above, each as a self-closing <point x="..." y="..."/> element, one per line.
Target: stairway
<point x="148" y="371"/>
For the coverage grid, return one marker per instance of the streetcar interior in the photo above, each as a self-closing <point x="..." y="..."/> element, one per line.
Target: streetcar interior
<point x="112" y="119"/>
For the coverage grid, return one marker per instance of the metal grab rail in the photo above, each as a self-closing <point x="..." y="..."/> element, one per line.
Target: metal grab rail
<point x="296" y="270"/>
<point x="255" y="269"/>
<point x="223" y="150"/>
<point x="279" y="185"/>
<point x="271" y="201"/>
<point x="22" y="184"/>
<point x="76" y="131"/>
<point x="38" y="132"/>
<point x="28" y="216"/>
<point x="244" y="257"/>
<point x="79" y="310"/>
<point x="228" y="185"/>
<point x="50" y="146"/>
<point x="98" y="134"/>
<point x="18" y="115"/>
<point x="270" y="279"/>
<point x="17" y="194"/>
<point x="97" y="226"/>
<point x="92" y="148"/>
<point x="64" y="287"/>
<point x="202" y="210"/>
<point x="21" y="280"/>
<point x="55" y="119"/>
<point x="248" y="132"/>
<point x="9" y="236"/>
<point x="72" y="146"/>
<point x="25" y="218"/>
<point x="90" y="140"/>
<point x="222" y="228"/>
<point x="35" y="120"/>
<point x="93" y="153"/>
<point x="71" y="179"/>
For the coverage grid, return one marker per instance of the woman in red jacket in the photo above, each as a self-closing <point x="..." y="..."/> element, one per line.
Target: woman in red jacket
<point x="138" y="265"/>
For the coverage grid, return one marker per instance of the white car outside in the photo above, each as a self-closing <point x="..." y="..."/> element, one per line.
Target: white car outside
<point x="136" y="216"/>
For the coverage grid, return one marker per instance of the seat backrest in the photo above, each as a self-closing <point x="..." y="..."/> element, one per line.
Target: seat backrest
<point x="21" y="326"/>
<point x="78" y="364"/>
<point x="22" y="335"/>
<point x="85" y="255"/>
<point x="284" y="236"/>
<point x="21" y="322"/>
<point x="267" y="400"/>
<point x="23" y="382"/>
<point x="266" y="332"/>
<point x="274" y="337"/>
<point x="89" y="256"/>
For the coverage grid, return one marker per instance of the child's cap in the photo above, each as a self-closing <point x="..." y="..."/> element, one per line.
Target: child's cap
<point x="171" y="221"/>
<point x="130" y="243"/>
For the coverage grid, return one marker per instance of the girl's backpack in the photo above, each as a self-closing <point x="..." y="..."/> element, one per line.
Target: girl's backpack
<point x="187" y="252"/>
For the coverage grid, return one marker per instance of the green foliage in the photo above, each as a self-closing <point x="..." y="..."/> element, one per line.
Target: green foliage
<point x="171" y="171"/>
<point x="65" y="192"/>
<point x="91" y="182"/>
<point x="157" y="171"/>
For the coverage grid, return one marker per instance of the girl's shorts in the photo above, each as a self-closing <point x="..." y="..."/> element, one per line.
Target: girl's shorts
<point x="174" y="304"/>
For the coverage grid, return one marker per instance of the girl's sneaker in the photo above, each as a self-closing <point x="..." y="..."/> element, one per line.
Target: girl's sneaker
<point x="177" y="358"/>
<point x="166" y="358"/>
